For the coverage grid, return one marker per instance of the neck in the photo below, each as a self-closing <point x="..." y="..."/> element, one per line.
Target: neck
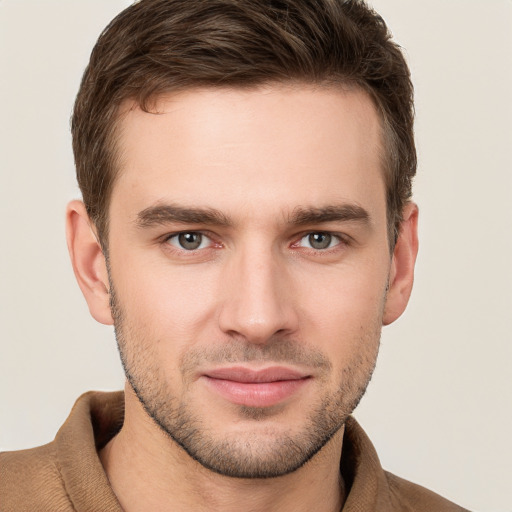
<point x="149" y="471"/>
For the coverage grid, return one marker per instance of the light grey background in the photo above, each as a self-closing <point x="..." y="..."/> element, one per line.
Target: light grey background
<point x="439" y="409"/>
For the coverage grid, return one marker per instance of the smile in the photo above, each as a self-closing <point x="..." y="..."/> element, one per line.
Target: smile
<point x="255" y="388"/>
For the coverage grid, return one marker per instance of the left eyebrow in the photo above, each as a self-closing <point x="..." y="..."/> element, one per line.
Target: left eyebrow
<point x="334" y="213"/>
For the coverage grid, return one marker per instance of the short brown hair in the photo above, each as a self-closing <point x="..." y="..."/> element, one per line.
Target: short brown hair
<point x="158" y="46"/>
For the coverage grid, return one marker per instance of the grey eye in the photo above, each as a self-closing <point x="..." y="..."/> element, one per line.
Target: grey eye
<point x="319" y="240"/>
<point x="189" y="241"/>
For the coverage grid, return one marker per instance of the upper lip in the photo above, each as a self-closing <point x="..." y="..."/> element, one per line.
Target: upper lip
<point x="249" y="375"/>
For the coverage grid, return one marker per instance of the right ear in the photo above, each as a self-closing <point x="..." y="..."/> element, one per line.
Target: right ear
<point x="88" y="262"/>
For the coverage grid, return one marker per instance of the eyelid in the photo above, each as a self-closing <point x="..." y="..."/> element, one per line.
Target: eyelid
<point x="342" y="238"/>
<point x="333" y="241"/>
<point x="206" y="234"/>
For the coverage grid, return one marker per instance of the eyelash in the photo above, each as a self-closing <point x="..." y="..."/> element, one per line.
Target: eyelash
<point x="342" y="240"/>
<point x="338" y="239"/>
<point x="167" y="239"/>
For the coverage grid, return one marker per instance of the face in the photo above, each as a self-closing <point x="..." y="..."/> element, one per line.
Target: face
<point x="249" y="265"/>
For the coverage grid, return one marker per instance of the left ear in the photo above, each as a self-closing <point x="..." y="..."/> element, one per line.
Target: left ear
<point x="401" y="276"/>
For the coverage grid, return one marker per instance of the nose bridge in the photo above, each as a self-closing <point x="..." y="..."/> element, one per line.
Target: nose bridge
<point x="256" y="301"/>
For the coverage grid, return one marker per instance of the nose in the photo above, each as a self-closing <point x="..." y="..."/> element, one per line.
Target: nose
<point x="257" y="298"/>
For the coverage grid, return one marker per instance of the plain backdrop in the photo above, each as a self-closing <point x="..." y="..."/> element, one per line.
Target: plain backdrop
<point x="439" y="408"/>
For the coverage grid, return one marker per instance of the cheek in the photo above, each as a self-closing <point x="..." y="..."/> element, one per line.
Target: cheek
<point x="166" y="302"/>
<point x="343" y="310"/>
<point x="350" y="291"/>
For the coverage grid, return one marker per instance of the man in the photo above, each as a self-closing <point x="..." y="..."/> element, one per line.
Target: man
<point x="247" y="227"/>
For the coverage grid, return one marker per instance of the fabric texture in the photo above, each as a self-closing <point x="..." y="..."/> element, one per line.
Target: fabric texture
<point x="66" y="475"/>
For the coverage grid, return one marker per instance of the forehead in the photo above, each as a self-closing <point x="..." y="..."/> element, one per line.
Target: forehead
<point x="268" y="148"/>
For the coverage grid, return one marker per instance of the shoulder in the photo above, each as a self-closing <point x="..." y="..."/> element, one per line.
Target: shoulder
<point x="407" y="496"/>
<point x="31" y="480"/>
<point x="65" y="475"/>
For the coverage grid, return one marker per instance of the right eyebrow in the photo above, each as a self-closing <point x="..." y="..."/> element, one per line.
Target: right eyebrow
<point x="160" y="214"/>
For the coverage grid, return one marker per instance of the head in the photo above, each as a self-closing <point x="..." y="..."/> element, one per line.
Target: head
<point x="156" y="47"/>
<point x="246" y="171"/>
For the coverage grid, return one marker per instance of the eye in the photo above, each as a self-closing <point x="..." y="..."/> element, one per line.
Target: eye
<point x="319" y="240"/>
<point x="189" y="241"/>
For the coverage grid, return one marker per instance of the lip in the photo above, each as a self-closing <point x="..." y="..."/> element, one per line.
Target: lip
<point x="255" y="388"/>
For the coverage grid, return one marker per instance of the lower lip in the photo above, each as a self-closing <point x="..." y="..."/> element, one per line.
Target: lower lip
<point x="255" y="394"/>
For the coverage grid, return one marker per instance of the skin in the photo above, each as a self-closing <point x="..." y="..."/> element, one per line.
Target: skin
<point x="256" y="293"/>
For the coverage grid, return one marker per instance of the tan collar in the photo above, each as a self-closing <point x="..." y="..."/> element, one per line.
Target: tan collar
<point x="97" y="417"/>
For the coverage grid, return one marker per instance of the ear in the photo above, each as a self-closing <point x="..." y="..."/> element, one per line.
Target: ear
<point x="88" y="262"/>
<point x="401" y="276"/>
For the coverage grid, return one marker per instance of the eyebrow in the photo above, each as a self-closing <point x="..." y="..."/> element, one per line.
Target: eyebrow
<point x="168" y="213"/>
<point x="335" y="213"/>
<point x="162" y="214"/>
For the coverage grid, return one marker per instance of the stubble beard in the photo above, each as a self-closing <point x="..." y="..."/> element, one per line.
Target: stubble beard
<point x="262" y="452"/>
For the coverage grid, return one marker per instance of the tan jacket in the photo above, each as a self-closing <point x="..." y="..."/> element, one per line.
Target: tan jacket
<point x="66" y="475"/>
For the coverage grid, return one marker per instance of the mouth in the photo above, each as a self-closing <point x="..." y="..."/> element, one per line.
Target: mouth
<point x="255" y="388"/>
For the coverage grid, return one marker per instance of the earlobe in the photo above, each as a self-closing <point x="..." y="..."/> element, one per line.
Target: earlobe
<point x="88" y="262"/>
<point x="401" y="276"/>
